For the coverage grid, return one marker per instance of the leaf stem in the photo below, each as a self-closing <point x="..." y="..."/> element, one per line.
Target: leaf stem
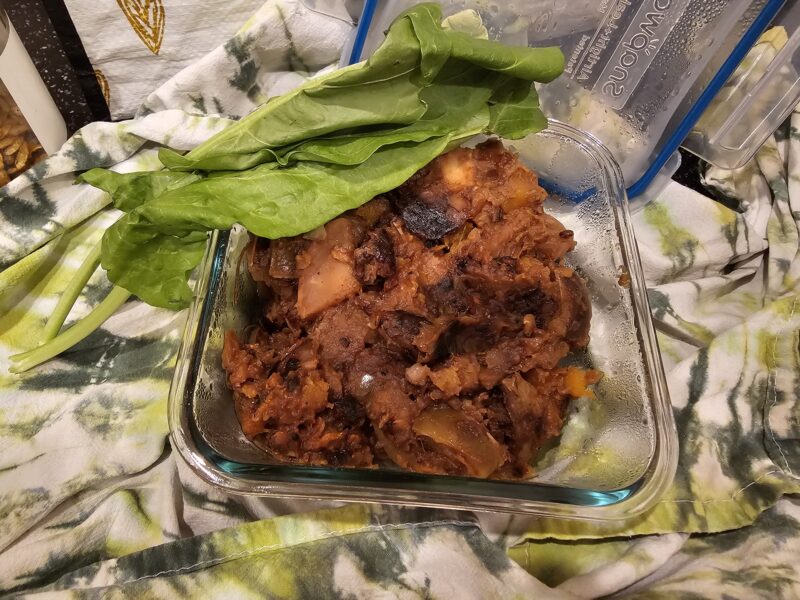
<point x="70" y="294"/>
<point x="80" y="330"/>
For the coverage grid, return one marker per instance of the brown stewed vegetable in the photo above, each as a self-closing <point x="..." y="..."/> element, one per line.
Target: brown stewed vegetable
<point x="426" y="327"/>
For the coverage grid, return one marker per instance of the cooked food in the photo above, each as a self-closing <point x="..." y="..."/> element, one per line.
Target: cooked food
<point x="426" y="327"/>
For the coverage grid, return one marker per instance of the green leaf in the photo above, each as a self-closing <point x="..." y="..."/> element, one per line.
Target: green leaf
<point x="152" y="265"/>
<point x="381" y="91"/>
<point x="326" y="147"/>
<point x="514" y="110"/>
<point x="534" y="64"/>
<point x="129" y="190"/>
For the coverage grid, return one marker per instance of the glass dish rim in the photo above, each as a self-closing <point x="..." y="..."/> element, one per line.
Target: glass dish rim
<point x="310" y="482"/>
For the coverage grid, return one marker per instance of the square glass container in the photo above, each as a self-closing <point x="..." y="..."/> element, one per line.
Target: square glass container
<point x="617" y="453"/>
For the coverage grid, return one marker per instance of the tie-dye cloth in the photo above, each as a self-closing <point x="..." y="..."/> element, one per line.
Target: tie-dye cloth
<point x="94" y="503"/>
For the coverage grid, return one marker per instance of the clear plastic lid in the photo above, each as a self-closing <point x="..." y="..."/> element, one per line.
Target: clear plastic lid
<point x="617" y="453"/>
<point x="759" y="96"/>
<point x="638" y="72"/>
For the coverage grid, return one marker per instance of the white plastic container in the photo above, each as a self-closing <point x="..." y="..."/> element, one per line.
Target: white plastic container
<point x="30" y="124"/>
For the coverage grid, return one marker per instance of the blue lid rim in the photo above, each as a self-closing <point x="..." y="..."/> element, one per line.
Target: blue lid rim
<point x="749" y="39"/>
<point x="675" y="139"/>
<point x="364" y="23"/>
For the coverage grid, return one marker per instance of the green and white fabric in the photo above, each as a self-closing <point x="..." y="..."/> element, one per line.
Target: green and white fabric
<point x="94" y="503"/>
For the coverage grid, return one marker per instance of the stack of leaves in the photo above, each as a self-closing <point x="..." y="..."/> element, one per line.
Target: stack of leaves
<point x="303" y="158"/>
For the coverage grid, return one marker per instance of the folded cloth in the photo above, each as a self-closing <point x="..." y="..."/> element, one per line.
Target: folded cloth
<point x="94" y="502"/>
<point x="152" y="38"/>
<point x="155" y="39"/>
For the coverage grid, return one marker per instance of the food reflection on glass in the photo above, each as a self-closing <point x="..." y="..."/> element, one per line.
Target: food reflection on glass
<point x="427" y="327"/>
<point x="19" y="147"/>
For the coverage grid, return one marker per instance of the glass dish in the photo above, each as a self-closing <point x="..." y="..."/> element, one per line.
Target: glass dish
<point x="617" y="453"/>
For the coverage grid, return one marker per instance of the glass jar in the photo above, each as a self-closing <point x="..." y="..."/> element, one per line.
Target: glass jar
<point x="30" y="124"/>
<point x="612" y="465"/>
